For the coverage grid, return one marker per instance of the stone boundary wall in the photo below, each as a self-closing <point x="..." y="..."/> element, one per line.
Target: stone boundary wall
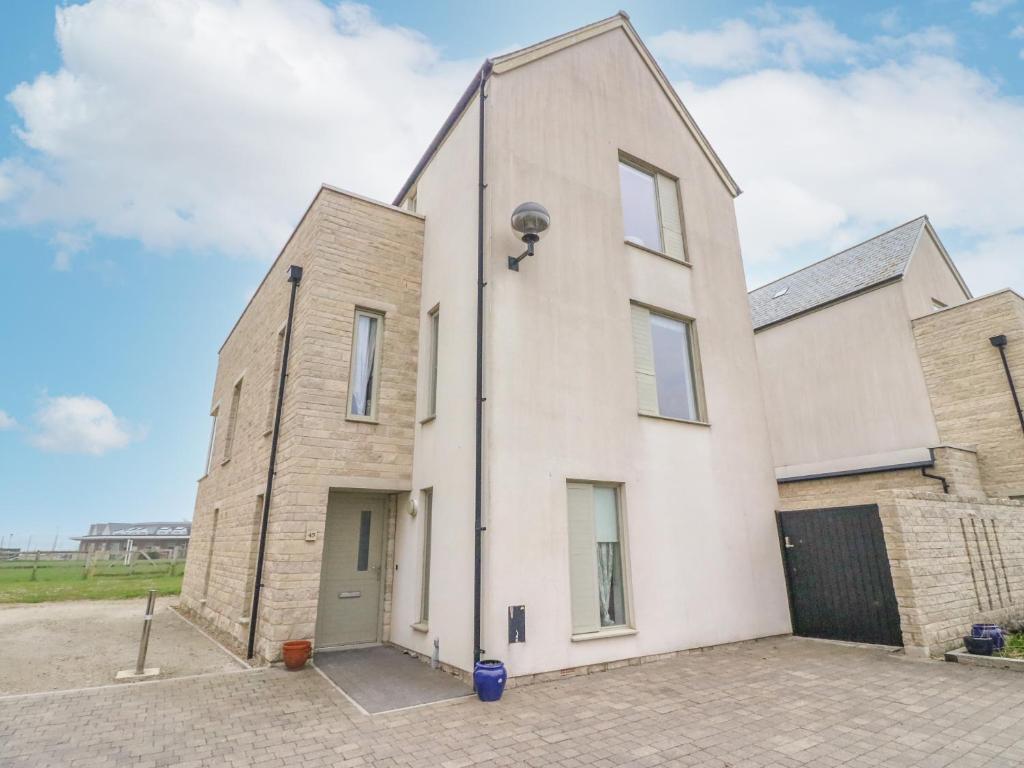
<point x="955" y="561"/>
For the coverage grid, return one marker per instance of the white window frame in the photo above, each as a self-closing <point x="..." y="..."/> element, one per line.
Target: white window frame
<point x="372" y="417"/>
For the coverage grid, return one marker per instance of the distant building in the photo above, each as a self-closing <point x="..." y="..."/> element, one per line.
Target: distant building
<point x="114" y="537"/>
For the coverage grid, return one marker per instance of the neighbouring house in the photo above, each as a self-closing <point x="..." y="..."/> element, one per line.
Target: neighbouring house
<point x="563" y="465"/>
<point x="164" y="539"/>
<point x="897" y="434"/>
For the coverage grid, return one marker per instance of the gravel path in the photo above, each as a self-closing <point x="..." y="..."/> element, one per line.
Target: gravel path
<point x="63" y="645"/>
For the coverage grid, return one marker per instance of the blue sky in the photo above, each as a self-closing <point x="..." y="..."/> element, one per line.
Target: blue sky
<point x="154" y="156"/>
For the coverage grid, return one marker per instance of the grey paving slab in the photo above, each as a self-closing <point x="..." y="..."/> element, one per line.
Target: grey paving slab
<point x="384" y="678"/>
<point x="785" y="703"/>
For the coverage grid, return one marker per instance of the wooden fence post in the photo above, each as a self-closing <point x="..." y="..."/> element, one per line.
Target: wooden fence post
<point x="35" y="565"/>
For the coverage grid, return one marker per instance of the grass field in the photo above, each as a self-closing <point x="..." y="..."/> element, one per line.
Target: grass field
<point x="62" y="580"/>
<point x="1014" y="647"/>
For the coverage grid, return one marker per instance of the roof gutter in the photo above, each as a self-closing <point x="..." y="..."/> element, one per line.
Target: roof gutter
<point x="453" y="117"/>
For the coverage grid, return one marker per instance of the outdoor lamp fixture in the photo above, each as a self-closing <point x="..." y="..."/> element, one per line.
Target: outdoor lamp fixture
<point x="529" y="220"/>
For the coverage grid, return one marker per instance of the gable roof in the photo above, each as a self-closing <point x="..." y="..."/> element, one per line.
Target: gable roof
<point x="524" y="56"/>
<point x="882" y="259"/>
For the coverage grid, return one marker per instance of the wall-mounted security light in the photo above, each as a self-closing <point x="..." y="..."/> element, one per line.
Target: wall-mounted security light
<point x="529" y="220"/>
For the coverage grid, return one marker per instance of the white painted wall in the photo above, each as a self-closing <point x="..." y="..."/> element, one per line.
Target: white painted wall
<point x="443" y="457"/>
<point x="705" y="564"/>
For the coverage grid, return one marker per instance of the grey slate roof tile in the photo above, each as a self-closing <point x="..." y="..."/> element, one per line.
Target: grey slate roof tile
<point x="874" y="261"/>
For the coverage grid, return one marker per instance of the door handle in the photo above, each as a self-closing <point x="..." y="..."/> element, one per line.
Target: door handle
<point x="788" y="544"/>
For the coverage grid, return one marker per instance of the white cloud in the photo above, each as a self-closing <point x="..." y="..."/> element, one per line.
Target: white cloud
<point x="7" y="421"/>
<point x="211" y="124"/>
<point x="787" y="37"/>
<point x="80" y="424"/>
<point x="826" y="161"/>
<point x="990" y="7"/>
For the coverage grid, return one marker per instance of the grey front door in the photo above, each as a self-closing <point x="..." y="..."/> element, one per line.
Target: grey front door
<point x="350" y="576"/>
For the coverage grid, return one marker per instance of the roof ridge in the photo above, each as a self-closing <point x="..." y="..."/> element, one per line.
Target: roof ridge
<point x="923" y="217"/>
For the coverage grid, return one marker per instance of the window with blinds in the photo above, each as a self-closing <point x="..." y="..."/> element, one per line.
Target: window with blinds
<point x="596" y="558"/>
<point x="651" y="212"/>
<point x="665" y="360"/>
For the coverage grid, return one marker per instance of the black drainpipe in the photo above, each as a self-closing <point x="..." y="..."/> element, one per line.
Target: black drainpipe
<point x="926" y="473"/>
<point x="478" y="500"/>
<point x="999" y="342"/>
<point x="294" y="276"/>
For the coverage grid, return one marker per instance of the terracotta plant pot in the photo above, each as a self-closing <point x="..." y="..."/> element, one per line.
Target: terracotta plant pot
<point x="296" y="653"/>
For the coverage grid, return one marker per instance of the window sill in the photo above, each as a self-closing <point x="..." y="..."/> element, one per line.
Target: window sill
<point x="603" y="634"/>
<point x="420" y="626"/>
<point x="694" y="422"/>
<point x="361" y="419"/>
<point x="225" y="461"/>
<point x="656" y="252"/>
<point x="427" y="419"/>
<point x="268" y="432"/>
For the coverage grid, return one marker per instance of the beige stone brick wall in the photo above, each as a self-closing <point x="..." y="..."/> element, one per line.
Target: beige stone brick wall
<point x="958" y="465"/>
<point x="355" y="253"/>
<point x="967" y="385"/>
<point x="955" y="561"/>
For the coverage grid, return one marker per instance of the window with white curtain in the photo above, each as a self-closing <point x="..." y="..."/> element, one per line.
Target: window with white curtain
<point x="363" y="379"/>
<point x="596" y="558"/>
<point x="435" y="320"/>
<point x="213" y="440"/>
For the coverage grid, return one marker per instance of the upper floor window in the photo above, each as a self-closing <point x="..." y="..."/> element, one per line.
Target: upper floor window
<point x="937" y="305"/>
<point x="213" y="440"/>
<point x="365" y="372"/>
<point x="229" y="434"/>
<point x="665" y="358"/>
<point x="435" y="320"/>
<point x="651" y="214"/>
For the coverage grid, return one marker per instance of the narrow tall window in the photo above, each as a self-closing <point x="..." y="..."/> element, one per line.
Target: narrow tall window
<point x="210" y="553"/>
<point x="254" y="542"/>
<point x="213" y="440"/>
<point x="229" y="435"/>
<point x="366" y="348"/>
<point x="651" y="213"/>
<point x="427" y="517"/>
<point x="664" y="356"/>
<point x="432" y="371"/>
<point x="275" y="381"/>
<point x="596" y="567"/>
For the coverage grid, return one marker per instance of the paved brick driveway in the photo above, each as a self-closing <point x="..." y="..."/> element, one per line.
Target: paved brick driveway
<point x="776" y="703"/>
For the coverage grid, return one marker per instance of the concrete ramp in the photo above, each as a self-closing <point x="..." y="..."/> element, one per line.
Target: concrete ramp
<point x="383" y="678"/>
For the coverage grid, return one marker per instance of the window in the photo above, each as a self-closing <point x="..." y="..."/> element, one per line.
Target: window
<point x="667" y="375"/>
<point x="428" y="504"/>
<point x="363" y="550"/>
<point x="213" y="440"/>
<point x="254" y="543"/>
<point x="596" y="568"/>
<point x="432" y="370"/>
<point x="937" y="305"/>
<point x="209" y="554"/>
<point x="275" y="382"/>
<point x="366" y="347"/>
<point x="651" y="214"/>
<point x="229" y="435"/>
<point x="410" y="203"/>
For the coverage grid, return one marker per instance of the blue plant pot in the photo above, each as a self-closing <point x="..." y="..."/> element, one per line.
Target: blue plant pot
<point x="489" y="677"/>
<point x="993" y="631"/>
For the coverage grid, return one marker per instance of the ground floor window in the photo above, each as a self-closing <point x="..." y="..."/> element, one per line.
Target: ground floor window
<point x="596" y="557"/>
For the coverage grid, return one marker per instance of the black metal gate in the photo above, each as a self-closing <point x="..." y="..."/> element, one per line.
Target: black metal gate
<point x="837" y="573"/>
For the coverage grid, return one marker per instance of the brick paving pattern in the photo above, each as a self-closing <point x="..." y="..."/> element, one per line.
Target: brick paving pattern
<point x="772" y="704"/>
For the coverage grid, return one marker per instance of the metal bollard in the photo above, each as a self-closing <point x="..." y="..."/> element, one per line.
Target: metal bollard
<point x="140" y="663"/>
